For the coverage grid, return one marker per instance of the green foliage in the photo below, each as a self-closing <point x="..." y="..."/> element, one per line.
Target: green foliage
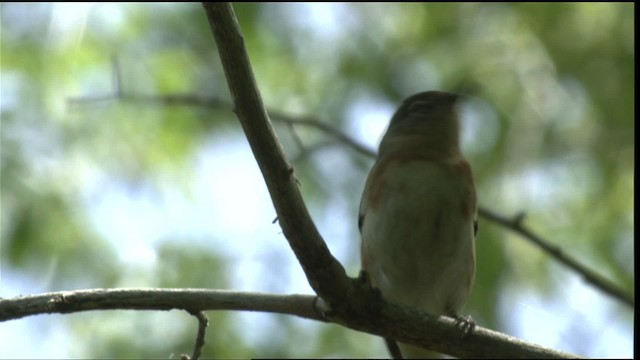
<point x="551" y="135"/>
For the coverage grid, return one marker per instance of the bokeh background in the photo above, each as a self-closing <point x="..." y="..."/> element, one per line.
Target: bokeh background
<point x="106" y="185"/>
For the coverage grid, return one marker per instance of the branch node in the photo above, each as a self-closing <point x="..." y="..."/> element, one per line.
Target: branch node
<point x="322" y="308"/>
<point x="203" y="322"/>
<point x="519" y="218"/>
<point x="290" y="172"/>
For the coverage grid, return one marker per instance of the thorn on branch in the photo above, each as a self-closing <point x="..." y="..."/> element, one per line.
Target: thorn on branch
<point x="290" y="173"/>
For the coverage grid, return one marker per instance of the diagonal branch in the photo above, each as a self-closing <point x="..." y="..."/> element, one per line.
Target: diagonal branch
<point x="324" y="273"/>
<point x="556" y="252"/>
<point x="351" y="303"/>
<point x="324" y="127"/>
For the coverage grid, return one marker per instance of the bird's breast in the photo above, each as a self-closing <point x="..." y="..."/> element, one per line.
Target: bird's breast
<point x="417" y="230"/>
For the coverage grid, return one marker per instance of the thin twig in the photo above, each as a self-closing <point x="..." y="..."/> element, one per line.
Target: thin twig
<point x="555" y="252"/>
<point x="203" y="322"/>
<point x="324" y="127"/>
<point x="215" y="102"/>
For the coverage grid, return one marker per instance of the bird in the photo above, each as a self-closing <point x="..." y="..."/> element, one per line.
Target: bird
<point x="418" y="212"/>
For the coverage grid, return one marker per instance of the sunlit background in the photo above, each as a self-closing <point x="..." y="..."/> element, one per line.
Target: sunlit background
<point x="105" y="185"/>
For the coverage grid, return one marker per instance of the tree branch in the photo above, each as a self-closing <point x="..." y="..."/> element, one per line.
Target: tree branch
<point x="215" y="102"/>
<point x="324" y="273"/>
<point x="481" y="343"/>
<point x="191" y="300"/>
<point x="203" y="322"/>
<point x="352" y="303"/>
<point x="555" y="252"/>
<point x="324" y="127"/>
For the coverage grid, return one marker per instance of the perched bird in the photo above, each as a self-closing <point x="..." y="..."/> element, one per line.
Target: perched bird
<point x="418" y="215"/>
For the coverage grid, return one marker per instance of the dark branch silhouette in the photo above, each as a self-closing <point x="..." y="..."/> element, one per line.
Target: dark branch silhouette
<point x="482" y="343"/>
